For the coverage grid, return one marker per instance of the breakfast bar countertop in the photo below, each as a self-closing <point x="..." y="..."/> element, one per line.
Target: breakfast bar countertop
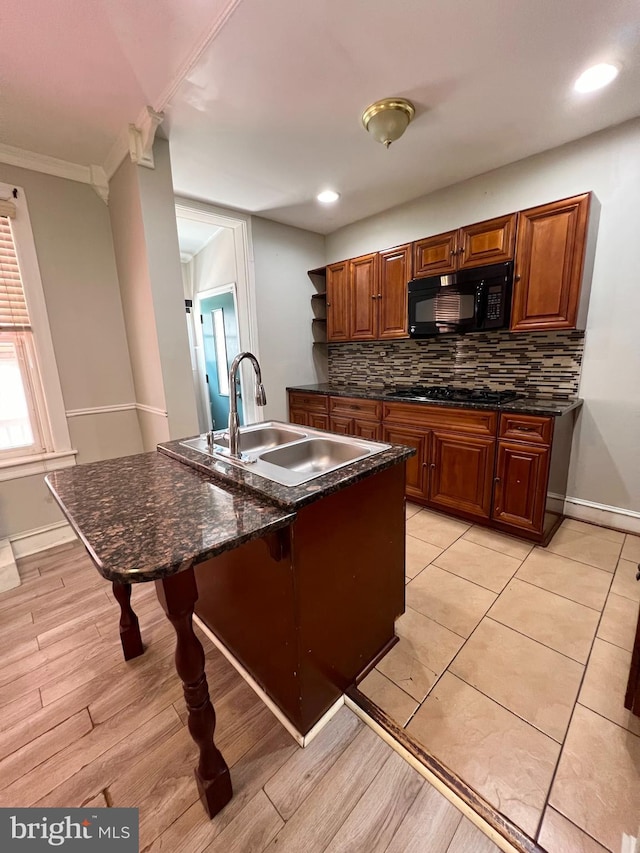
<point x="526" y="404"/>
<point x="146" y="516"/>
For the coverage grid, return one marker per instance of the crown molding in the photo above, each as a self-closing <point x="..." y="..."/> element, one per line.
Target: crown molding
<point x="95" y="176"/>
<point x="43" y="163"/>
<point x="141" y="138"/>
<point x="122" y="145"/>
<point x="135" y="139"/>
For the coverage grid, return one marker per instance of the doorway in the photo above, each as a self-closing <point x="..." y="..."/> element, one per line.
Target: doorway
<point x="220" y="345"/>
<point x="215" y="249"/>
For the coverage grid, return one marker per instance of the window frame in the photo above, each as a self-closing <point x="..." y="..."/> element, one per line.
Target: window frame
<point x="52" y="428"/>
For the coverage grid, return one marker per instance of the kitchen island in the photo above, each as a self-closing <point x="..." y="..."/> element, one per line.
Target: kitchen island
<point x="149" y="517"/>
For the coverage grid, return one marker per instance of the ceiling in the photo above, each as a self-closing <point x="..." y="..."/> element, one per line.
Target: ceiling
<point x="263" y="100"/>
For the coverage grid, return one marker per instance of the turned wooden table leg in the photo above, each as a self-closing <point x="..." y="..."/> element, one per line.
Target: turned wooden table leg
<point x="178" y="595"/>
<point x="129" y="627"/>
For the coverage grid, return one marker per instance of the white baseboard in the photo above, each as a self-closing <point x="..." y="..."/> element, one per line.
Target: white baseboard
<point x="302" y="740"/>
<point x="34" y="541"/>
<point x="606" y="516"/>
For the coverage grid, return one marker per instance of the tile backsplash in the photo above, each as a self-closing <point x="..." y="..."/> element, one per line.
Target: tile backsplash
<point x="546" y="364"/>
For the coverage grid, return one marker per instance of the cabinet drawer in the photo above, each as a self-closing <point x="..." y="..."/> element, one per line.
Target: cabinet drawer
<point x="472" y="421"/>
<point x="310" y="402"/>
<point x="355" y="407"/>
<point x="527" y="428"/>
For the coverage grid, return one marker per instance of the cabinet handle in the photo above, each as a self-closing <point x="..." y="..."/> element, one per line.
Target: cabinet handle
<point x="433" y="465"/>
<point x="526" y="429"/>
<point x="425" y="464"/>
<point x="328" y="305"/>
<point x="496" y="480"/>
<point x="516" y="277"/>
<point x="379" y="296"/>
<point x="373" y="296"/>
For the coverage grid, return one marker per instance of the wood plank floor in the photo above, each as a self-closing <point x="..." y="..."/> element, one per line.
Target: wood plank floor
<point x="80" y="726"/>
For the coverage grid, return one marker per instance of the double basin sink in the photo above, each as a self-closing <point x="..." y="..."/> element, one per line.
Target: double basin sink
<point x="287" y="454"/>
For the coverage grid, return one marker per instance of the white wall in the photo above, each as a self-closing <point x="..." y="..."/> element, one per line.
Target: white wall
<point x="605" y="465"/>
<point x="215" y="264"/>
<point x="148" y="260"/>
<point x="282" y="256"/>
<point x="73" y="244"/>
<point x="165" y="275"/>
<point x="137" y="302"/>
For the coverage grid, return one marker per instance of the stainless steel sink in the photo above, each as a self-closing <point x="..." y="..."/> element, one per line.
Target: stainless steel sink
<point x="314" y="456"/>
<point x="253" y="439"/>
<point x="262" y="439"/>
<point x="287" y="454"/>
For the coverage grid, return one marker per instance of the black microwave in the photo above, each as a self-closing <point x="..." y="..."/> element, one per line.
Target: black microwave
<point x="465" y="301"/>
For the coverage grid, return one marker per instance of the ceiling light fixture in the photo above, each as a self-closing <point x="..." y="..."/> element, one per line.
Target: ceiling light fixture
<point x="596" y="77"/>
<point x="388" y="119"/>
<point x="328" y="196"/>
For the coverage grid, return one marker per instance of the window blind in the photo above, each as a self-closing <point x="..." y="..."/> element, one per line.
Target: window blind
<point x="13" y="307"/>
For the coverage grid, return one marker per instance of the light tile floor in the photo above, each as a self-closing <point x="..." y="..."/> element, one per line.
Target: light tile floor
<point x="511" y="669"/>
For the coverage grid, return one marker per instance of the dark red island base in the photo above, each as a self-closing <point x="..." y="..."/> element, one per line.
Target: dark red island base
<point x="307" y="617"/>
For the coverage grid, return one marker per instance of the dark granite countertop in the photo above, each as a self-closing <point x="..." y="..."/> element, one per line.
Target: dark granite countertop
<point x="555" y="407"/>
<point x="147" y="516"/>
<point x="289" y="497"/>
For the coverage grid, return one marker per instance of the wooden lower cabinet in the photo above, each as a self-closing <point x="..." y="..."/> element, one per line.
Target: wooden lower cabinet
<point x="521" y="485"/>
<point x="461" y="472"/>
<point x="355" y="416"/>
<point x="315" y="420"/>
<point x="310" y="410"/>
<point x="417" y="479"/>
<point x="482" y="465"/>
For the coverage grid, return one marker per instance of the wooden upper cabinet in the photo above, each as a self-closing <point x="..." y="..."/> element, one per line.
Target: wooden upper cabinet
<point x="489" y="242"/>
<point x="338" y="302"/>
<point x="549" y="263"/>
<point x="363" y="298"/>
<point x="435" y="255"/>
<point x="394" y="272"/>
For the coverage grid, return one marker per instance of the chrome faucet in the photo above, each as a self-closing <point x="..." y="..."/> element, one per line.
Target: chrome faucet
<point x="261" y="399"/>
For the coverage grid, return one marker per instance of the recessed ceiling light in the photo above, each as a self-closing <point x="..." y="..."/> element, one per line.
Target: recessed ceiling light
<point x="596" y="77"/>
<point x="328" y="196"/>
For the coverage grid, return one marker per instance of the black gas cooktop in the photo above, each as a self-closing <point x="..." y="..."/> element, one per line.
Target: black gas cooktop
<point x="457" y="395"/>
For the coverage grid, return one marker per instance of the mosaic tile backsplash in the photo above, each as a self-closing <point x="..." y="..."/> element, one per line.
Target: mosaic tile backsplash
<point x="541" y="364"/>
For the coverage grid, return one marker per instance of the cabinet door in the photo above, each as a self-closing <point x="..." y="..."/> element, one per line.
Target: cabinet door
<point x="363" y="298"/>
<point x="461" y="473"/>
<point x="435" y="255"/>
<point x="318" y="421"/>
<point x="338" y="302"/>
<point x="367" y="429"/>
<point x="416" y="471"/>
<point x="395" y="272"/>
<point x="489" y="242"/>
<point x="343" y="426"/>
<point x="299" y="416"/>
<point x="549" y="261"/>
<point x="521" y="485"/>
